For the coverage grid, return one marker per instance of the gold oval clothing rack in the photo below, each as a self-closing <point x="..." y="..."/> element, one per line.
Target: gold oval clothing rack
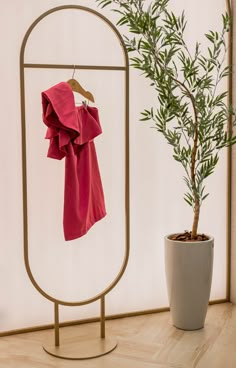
<point x="99" y="346"/>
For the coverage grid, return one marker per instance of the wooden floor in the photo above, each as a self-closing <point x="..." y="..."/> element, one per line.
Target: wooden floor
<point x="143" y="342"/>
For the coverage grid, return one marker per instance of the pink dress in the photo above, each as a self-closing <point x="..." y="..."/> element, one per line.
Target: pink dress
<point x="71" y="131"/>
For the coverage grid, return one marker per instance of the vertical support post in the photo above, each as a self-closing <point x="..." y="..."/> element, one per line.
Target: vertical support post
<point x="102" y="321"/>
<point x="56" y="324"/>
<point x="229" y="158"/>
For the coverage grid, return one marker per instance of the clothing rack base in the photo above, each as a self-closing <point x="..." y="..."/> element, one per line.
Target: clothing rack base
<point x="84" y="349"/>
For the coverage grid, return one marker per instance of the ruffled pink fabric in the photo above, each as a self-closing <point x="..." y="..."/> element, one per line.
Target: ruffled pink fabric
<point x="71" y="131"/>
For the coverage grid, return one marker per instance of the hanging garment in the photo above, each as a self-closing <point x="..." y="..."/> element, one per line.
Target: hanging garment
<point x="71" y="130"/>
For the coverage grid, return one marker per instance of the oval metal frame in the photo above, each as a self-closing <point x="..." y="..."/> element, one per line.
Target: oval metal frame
<point x="125" y="68"/>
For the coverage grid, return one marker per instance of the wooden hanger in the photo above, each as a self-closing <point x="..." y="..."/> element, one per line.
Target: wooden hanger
<point x="76" y="87"/>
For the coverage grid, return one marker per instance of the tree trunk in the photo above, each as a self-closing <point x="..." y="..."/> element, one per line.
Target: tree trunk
<point x="195" y="219"/>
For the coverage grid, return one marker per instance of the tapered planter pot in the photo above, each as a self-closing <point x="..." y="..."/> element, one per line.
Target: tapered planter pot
<point x="189" y="275"/>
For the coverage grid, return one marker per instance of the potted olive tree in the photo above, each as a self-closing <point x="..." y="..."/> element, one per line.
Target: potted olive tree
<point x="192" y="116"/>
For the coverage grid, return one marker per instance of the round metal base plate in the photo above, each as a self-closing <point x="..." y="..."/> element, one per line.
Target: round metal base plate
<point x="85" y="349"/>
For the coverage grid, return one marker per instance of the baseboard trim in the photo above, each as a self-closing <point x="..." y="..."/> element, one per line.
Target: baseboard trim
<point x="96" y="319"/>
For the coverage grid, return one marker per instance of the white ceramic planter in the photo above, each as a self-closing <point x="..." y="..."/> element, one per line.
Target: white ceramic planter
<point x="189" y="275"/>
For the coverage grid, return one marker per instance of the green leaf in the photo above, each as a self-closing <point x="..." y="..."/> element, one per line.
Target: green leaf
<point x="205" y="196"/>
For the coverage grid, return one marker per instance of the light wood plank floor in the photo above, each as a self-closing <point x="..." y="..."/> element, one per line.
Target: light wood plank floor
<point x="143" y="342"/>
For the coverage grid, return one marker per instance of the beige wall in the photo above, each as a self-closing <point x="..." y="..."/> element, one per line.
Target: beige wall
<point x="157" y="188"/>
